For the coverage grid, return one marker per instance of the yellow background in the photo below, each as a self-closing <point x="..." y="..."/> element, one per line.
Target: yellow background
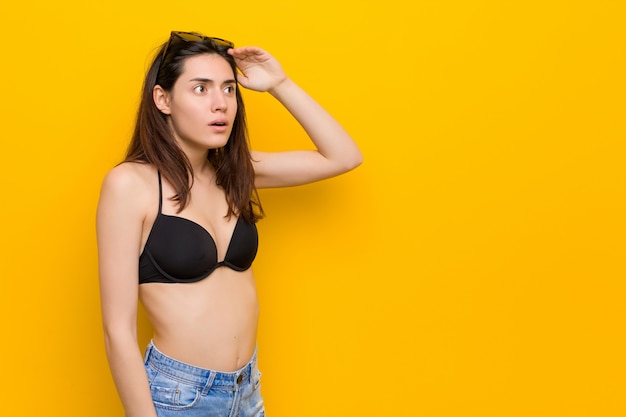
<point x="472" y="266"/>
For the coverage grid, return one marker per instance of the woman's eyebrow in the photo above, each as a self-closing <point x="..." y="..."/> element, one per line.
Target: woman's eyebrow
<point x="208" y="80"/>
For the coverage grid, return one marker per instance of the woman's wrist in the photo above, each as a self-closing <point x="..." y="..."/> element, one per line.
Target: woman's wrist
<point x="282" y="88"/>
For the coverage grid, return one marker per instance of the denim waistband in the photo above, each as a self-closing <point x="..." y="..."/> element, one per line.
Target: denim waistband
<point x="184" y="372"/>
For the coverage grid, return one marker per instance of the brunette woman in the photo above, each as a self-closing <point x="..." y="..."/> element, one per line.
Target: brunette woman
<point x="176" y="227"/>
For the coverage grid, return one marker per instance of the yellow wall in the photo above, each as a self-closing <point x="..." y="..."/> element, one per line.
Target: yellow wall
<point x="472" y="266"/>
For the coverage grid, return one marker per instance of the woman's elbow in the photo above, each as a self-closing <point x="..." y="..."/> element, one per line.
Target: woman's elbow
<point x="114" y="336"/>
<point x="355" y="159"/>
<point x="358" y="160"/>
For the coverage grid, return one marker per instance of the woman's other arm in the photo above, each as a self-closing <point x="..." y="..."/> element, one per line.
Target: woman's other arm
<point x="119" y="225"/>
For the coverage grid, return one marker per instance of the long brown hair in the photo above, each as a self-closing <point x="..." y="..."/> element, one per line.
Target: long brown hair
<point x="153" y="141"/>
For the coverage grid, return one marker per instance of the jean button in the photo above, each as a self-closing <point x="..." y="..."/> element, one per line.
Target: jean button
<point x="239" y="378"/>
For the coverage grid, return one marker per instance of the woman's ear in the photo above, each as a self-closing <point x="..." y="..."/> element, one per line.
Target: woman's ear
<point x="161" y="99"/>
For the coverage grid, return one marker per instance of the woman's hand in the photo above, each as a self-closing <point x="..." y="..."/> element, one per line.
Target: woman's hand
<point x="259" y="70"/>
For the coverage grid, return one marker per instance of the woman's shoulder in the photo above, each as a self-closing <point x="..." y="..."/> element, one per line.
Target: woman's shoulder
<point x="131" y="180"/>
<point x="130" y="175"/>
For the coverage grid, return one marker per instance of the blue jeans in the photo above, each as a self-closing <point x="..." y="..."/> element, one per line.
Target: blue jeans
<point x="182" y="390"/>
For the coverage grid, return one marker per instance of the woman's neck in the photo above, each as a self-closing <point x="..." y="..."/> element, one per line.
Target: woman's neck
<point x="199" y="162"/>
<point x="198" y="157"/>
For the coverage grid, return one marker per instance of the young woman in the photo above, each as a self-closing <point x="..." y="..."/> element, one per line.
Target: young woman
<point x="176" y="227"/>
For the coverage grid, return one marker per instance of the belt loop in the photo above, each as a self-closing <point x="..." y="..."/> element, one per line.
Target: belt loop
<point x="209" y="383"/>
<point x="251" y="367"/>
<point x="146" y="354"/>
<point x="254" y="364"/>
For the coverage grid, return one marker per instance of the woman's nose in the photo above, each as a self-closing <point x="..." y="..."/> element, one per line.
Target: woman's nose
<point x="218" y="103"/>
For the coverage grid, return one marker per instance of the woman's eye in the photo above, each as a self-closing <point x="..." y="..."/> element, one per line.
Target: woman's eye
<point x="199" y="89"/>
<point x="230" y="89"/>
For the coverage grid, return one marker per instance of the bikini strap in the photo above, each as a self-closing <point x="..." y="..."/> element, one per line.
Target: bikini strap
<point x="160" y="192"/>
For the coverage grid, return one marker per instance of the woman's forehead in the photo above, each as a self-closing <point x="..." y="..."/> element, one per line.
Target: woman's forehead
<point x="207" y="66"/>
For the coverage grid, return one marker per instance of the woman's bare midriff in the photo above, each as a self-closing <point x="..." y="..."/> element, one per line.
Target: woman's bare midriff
<point x="210" y="324"/>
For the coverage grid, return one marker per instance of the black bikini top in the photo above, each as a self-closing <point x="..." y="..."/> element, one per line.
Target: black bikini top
<point x="179" y="250"/>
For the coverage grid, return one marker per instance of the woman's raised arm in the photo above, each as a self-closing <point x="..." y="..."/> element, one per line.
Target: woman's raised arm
<point x="336" y="152"/>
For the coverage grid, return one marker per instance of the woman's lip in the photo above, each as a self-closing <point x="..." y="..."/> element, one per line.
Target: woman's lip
<point x="219" y="128"/>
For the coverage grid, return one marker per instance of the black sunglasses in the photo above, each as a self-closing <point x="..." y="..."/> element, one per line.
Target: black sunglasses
<point x="194" y="37"/>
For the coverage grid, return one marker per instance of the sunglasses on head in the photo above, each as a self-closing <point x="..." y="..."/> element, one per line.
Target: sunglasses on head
<point x="195" y="37"/>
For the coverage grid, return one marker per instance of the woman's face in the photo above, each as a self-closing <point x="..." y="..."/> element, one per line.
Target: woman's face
<point x="203" y="103"/>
